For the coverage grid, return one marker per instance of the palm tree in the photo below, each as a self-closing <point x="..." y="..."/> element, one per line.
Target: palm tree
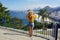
<point x="44" y="14"/>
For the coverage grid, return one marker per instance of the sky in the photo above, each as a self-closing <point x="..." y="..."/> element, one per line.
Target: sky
<point x="29" y="4"/>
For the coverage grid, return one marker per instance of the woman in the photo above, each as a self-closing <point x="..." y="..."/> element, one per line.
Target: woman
<point x="31" y="17"/>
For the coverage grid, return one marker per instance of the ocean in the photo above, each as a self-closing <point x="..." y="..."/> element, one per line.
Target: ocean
<point x="25" y="21"/>
<point x="20" y="15"/>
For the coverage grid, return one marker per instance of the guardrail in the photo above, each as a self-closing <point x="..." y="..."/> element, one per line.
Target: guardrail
<point x="50" y="34"/>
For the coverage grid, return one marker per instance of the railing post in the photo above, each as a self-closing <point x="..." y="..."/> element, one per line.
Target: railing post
<point x="56" y="31"/>
<point x="53" y="30"/>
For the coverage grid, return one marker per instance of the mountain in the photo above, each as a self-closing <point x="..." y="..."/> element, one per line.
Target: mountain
<point x="52" y="9"/>
<point x="55" y="13"/>
<point x="49" y="9"/>
<point x="56" y="9"/>
<point x="22" y="14"/>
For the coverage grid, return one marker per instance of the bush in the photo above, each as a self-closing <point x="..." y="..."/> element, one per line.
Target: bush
<point x="26" y="28"/>
<point x="46" y="24"/>
<point x="38" y="25"/>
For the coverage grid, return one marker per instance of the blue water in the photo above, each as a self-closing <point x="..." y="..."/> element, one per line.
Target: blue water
<point x="20" y="15"/>
<point x="25" y="21"/>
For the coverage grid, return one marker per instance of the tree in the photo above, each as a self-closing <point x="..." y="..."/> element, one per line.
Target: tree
<point x="6" y="20"/>
<point x="44" y="13"/>
<point x="17" y="23"/>
<point x="4" y="15"/>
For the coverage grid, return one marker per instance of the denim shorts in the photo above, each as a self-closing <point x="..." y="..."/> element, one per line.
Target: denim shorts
<point x="31" y="24"/>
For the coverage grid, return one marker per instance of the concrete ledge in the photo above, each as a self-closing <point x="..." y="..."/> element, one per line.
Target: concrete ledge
<point x="25" y="32"/>
<point x="16" y="30"/>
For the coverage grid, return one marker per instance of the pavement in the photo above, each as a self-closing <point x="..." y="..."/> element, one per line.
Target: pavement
<point x="12" y="35"/>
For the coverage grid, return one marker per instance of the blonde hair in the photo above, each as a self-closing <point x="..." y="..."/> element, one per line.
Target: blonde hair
<point x="30" y="12"/>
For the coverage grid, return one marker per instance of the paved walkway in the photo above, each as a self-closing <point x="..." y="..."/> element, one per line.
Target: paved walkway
<point x="11" y="35"/>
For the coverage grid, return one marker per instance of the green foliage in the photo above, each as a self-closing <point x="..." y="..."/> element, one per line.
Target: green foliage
<point x="38" y="25"/>
<point x="46" y="24"/>
<point x="0" y="4"/>
<point x="7" y="21"/>
<point x="43" y="13"/>
<point x="17" y="23"/>
<point x="4" y="15"/>
<point x="26" y="28"/>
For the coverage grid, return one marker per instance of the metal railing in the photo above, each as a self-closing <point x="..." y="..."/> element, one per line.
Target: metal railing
<point x="49" y="34"/>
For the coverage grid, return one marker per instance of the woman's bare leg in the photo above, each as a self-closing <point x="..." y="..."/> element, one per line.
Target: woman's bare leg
<point x="30" y="31"/>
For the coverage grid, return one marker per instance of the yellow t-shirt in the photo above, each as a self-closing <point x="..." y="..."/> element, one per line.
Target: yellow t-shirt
<point x="31" y="18"/>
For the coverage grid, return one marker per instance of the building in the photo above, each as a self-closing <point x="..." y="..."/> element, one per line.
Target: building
<point x="39" y="19"/>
